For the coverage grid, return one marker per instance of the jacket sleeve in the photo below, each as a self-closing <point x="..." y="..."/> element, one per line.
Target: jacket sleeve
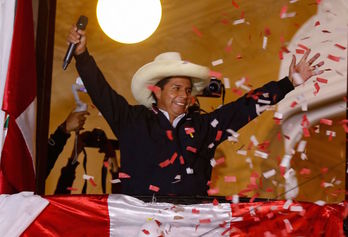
<point x="113" y="106"/>
<point x="237" y="114"/>
<point x="56" y="143"/>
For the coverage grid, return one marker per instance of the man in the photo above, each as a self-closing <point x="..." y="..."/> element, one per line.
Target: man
<point x="164" y="148"/>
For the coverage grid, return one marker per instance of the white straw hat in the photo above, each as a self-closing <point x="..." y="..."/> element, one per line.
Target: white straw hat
<point x="167" y="65"/>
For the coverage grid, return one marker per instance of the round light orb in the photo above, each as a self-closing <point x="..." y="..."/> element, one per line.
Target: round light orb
<point x="129" y="21"/>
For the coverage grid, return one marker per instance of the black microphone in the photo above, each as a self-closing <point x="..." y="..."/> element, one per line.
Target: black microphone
<point x="81" y="25"/>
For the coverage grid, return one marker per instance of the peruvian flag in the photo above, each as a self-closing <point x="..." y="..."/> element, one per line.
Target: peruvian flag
<point x="29" y="215"/>
<point x="19" y="103"/>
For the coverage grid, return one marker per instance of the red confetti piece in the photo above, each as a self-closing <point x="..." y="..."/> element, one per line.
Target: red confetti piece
<point x="192" y="149"/>
<point x="189" y="130"/>
<point x="305" y="171"/>
<point x="293" y="104"/>
<point x="229" y="179"/>
<point x="205" y="221"/>
<point x="333" y="58"/>
<point x="345" y="127"/>
<point x="154" y="188"/>
<point x="71" y="189"/>
<point x="213" y="191"/>
<point x="340" y="46"/>
<point x="173" y="158"/>
<point x="324" y="170"/>
<point x="306" y="132"/>
<point x="218" y="135"/>
<point x="182" y="161"/>
<point x="145" y="231"/>
<point x="215" y="74"/>
<point x="317" y="88"/>
<point x="170" y="134"/>
<point x="242" y="16"/>
<point x="279" y="136"/>
<point x="303" y="46"/>
<point x="92" y="182"/>
<point x="237" y="91"/>
<point x="235" y="4"/>
<point x="164" y="163"/>
<point x="215" y="202"/>
<point x="267" y="31"/>
<point x="317" y="23"/>
<point x="239" y="56"/>
<point x="300" y="51"/>
<point x="122" y="175"/>
<point x="106" y="164"/>
<point x="196" y="31"/>
<point x="280" y="54"/>
<point x="220" y="161"/>
<point x="195" y="211"/>
<point x="322" y="80"/>
<point x="283" y="11"/>
<point x="153" y="88"/>
<point x="326" y="121"/>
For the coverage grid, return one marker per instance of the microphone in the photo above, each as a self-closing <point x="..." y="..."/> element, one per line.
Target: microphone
<point x="81" y="25"/>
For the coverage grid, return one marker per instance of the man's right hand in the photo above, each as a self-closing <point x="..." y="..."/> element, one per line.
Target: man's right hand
<point x="77" y="37"/>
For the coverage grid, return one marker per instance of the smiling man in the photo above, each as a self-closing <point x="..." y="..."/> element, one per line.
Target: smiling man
<point x="166" y="148"/>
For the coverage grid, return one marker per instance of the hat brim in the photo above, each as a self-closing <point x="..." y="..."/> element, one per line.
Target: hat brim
<point x="155" y="71"/>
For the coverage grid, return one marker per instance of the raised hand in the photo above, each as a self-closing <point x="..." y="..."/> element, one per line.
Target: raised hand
<point x="77" y="37"/>
<point x="301" y="72"/>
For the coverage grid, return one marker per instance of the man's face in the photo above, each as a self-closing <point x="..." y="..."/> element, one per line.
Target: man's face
<point x="175" y="96"/>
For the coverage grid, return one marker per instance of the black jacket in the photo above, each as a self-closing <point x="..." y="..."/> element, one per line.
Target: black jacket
<point x="145" y="143"/>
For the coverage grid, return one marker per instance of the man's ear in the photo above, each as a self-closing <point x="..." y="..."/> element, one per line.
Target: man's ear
<point x="157" y="92"/>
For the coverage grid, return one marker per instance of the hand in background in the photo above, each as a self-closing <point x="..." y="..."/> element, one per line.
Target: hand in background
<point x="301" y="72"/>
<point x="75" y="121"/>
<point x="77" y="37"/>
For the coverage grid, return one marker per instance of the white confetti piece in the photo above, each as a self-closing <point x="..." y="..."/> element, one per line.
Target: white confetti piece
<point x="304" y="156"/>
<point x="263" y="101"/>
<point x="177" y="177"/>
<point x="286" y="161"/>
<point x="87" y="177"/>
<point x="278" y="115"/>
<point x="242" y="152"/>
<point x="214" y="123"/>
<point x="254" y="140"/>
<point x="264" y="43"/>
<point x="232" y="139"/>
<point x="296" y="208"/>
<point x="248" y="160"/>
<point x="290" y="173"/>
<point x="239" y="21"/>
<point x="326" y="185"/>
<point x="301" y="146"/>
<point x="115" y="181"/>
<point x="212" y="162"/>
<point x="288" y="226"/>
<point x="260" y="109"/>
<point x="304" y="106"/>
<point x="229" y="179"/>
<point x="217" y="62"/>
<point x="240" y="82"/>
<point x="211" y="145"/>
<point x="189" y="170"/>
<point x="288" y="15"/>
<point x="227" y="82"/>
<point x="287" y="204"/>
<point x="244" y="87"/>
<point x="293" y="1"/>
<point x="235" y="199"/>
<point x="252" y="211"/>
<point x="269" y="173"/>
<point x="330" y="133"/>
<point x="320" y="203"/>
<point x="233" y="133"/>
<point x="261" y="154"/>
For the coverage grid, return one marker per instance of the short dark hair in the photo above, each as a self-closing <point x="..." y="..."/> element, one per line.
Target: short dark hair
<point x="162" y="83"/>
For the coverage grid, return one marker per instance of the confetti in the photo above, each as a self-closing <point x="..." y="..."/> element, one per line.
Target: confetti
<point x="153" y="88"/>
<point x="287" y="204"/>
<point x="333" y="58"/>
<point x="320" y="203"/>
<point x="212" y="162"/>
<point x="211" y="145"/>
<point x="269" y="173"/>
<point x="145" y="231"/>
<point x="192" y="149"/>
<point x="303" y="156"/>
<point x="288" y="226"/>
<point x="229" y="179"/>
<point x="227" y="83"/>
<point x="301" y="146"/>
<point x="300" y="51"/>
<point x="154" y="188"/>
<point x="92" y="182"/>
<point x="264" y="43"/>
<point x="263" y="101"/>
<point x="164" y="163"/>
<point x="214" y="123"/>
<point x="215" y="74"/>
<point x="87" y="177"/>
<point x="196" y="31"/>
<point x="71" y="189"/>
<point x="326" y="121"/>
<point x="261" y="154"/>
<point x="305" y="171"/>
<point x="242" y="152"/>
<point x="220" y="160"/>
<point x="122" y="175"/>
<point x="340" y="46"/>
<point x="317" y="23"/>
<point x="283" y="11"/>
<point x="115" y="181"/>
<point x="170" y="134"/>
<point x="189" y="170"/>
<point x="174" y="156"/>
<point x="322" y="80"/>
<point x="217" y="62"/>
<point x="303" y="46"/>
<point x="205" y="221"/>
<point x="289" y="173"/>
<point x="218" y="135"/>
<point x="235" y="199"/>
<point x="254" y="140"/>
<point x="296" y="208"/>
<point x="195" y="211"/>
<point x="235" y="4"/>
<point x="182" y="161"/>
<point x="239" y="21"/>
<point x="213" y="191"/>
<point x="278" y="115"/>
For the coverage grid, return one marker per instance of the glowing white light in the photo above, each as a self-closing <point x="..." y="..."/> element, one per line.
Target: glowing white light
<point x="129" y="21"/>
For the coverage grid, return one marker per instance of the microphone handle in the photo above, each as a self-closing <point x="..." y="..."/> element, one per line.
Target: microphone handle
<point x="81" y="25"/>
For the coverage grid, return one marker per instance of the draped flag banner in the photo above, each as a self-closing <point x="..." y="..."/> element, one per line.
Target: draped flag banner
<point x="122" y="215"/>
<point x="19" y="103"/>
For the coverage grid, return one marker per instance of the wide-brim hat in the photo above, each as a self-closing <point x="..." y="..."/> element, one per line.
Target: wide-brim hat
<point x="165" y="65"/>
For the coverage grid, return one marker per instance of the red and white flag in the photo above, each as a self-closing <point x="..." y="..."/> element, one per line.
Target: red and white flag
<point x="19" y="103"/>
